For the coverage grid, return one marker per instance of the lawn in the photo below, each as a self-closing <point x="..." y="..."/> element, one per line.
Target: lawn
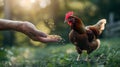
<point x="63" y="55"/>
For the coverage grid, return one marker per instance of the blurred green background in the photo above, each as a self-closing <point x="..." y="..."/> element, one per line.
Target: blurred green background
<point x="48" y="16"/>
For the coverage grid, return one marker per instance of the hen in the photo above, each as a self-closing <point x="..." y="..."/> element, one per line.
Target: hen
<point x="84" y="37"/>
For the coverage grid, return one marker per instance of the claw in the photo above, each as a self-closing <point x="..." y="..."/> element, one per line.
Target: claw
<point x="78" y="58"/>
<point x="87" y="59"/>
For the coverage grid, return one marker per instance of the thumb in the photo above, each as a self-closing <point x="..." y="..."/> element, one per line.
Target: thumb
<point x="39" y="33"/>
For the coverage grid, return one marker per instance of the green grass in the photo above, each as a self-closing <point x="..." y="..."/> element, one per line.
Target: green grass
<point x="108" y="55"/>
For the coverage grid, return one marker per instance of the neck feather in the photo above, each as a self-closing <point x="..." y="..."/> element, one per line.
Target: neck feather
<point x="79" y="27"/>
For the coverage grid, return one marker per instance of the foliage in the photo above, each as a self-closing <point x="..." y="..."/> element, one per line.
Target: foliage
<point x="65" y="56"/>
<point x="50" y="19"/>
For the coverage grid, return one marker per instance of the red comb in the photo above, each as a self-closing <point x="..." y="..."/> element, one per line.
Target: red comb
<point x="69" y="14"/>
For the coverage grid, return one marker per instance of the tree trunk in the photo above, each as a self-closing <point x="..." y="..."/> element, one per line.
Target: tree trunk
<point x="8" y="35"/>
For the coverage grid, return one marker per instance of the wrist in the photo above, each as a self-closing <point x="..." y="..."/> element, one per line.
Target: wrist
<point x="19" y="26"/>
<point x="15" y="25"/>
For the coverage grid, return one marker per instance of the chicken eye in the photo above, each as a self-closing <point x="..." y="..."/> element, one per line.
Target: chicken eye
<point x="71" y="19"/>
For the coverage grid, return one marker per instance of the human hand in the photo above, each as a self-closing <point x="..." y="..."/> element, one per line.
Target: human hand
<point x="31" y="31"/>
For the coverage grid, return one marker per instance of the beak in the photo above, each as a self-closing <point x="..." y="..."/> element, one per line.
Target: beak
<point x="65" y="21"/>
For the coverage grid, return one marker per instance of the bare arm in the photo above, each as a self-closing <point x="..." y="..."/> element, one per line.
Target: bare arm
<point x="29" y="29"/>
<point x="9" y="24"/>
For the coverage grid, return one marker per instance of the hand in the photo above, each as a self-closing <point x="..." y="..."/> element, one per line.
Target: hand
<point x="31" y="31"/>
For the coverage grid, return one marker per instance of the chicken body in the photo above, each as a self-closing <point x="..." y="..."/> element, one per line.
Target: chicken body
<point x="82" y="42"/>
<point x="84" y="37"/>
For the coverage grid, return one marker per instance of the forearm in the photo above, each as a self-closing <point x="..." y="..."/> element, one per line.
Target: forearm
<point x="27" y="28"/>
<point x="10" y="25"/>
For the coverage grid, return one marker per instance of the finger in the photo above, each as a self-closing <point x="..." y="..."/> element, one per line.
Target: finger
<point x="39" y="33"/>
<point x="54" y="37"/>
<point x="50" y="38"/>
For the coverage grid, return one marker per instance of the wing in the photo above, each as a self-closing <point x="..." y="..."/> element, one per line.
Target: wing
<point x="94" y="31"/>
<point x="90" y="35"/>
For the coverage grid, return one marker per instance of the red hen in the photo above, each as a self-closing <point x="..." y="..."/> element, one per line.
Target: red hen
<point x="84" y="37"/>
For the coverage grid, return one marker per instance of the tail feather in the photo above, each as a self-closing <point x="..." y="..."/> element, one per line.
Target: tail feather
<point x="97" y="28"/>
<point x="101" y="24"/>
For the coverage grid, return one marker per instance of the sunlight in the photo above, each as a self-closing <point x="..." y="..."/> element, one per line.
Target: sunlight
<point x="26" y="4"/>
<point x="44" y="3"/>
<point x="1" y="3"/>
<point x="41" y="26"/>
<point x="30" y="3"/>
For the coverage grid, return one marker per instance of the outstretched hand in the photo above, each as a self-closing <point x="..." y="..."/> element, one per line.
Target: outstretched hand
<point x="31" y="31"/>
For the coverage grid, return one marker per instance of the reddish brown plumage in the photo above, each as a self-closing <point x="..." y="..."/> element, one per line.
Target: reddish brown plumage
<point x="84" y="37"/>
